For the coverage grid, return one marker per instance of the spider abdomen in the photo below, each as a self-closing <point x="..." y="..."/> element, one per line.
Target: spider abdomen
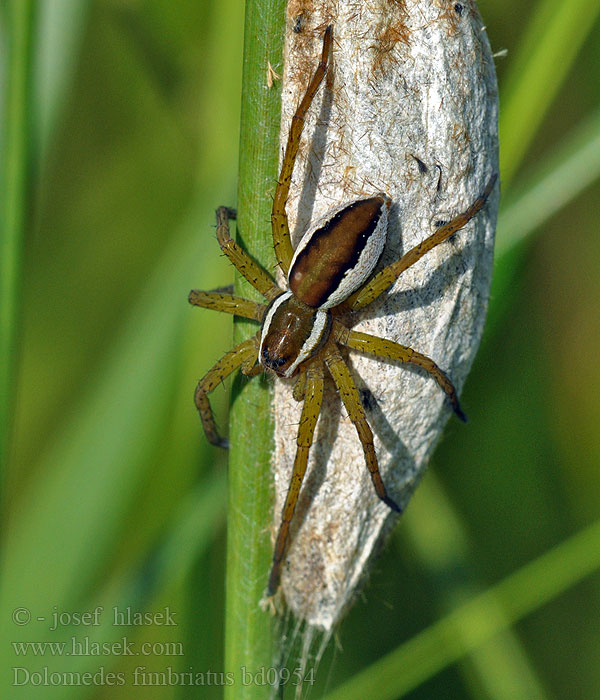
<point x="291" y="334"/>
<point x="335" y="257"/>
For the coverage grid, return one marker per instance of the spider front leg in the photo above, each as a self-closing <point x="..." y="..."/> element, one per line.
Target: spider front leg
<point x="313" y="397"/>
<point x="381" y="347"/>
<point x="351" y="399"/>
<point x="386" y="277"/>
<point x="227" y="303"/>
<point x="242" y="355"/>
<point x="243" y="263"/>
<point x="279" y="220"/>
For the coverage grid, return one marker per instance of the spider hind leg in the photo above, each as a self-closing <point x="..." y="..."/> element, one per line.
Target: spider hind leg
<point x="385" y="278"/>
<point x="382" y="347"/>
<point x="350" y="397"/>
<point x="313" y="398"/>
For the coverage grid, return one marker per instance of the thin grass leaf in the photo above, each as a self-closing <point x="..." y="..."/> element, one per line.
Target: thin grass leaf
<point x="164" y="570"/>
<point x="548" y="49"/>
<point x="90" y="474"/>
<point x="559" y="180"/>
<point x="74" y="510"/>
<point x="200" y="513"/>
<point x="61" y="32"/>
<point x="561" y="177"/>
<point x="500" y="666"/>
<point x="78" y="502"/>
<point x="471" y="625"/>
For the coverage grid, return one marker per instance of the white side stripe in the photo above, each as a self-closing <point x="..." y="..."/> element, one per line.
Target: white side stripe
<point x="356" y="276"/>
<point x="310" y="343"/>
<point x="269" y="317"/>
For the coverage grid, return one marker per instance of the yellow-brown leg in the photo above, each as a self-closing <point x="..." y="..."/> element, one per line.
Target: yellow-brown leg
<point x="381" y="347"/>
<point x="310" y="413"/>
<point x="386" y="277"/>
<point x="227" y="303"/>
<point x="299" y="389"/>
<point x="351" y="399"/>
<point x="258" y="278"/>
<point x="279" y="221"/>
<point x="252" y="367"/>
<point x="242" y="354"/>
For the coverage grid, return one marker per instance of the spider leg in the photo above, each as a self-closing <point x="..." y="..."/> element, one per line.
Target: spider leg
<point x="279" y="221"/>
<point x="239" y="355"/>
<point x="308" y="421"/>
<point x="252" y="367"/>
<point x="386" y="277"/>
<point x="299" y="390"/>
<point x="258" y="278"/>
<point x="381" y="347"/>
<point x="343" y="380"/>
<point x="228" y="304"/>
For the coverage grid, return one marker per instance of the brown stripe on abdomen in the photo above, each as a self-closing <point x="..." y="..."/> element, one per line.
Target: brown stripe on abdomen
<point x="333" y="251"/>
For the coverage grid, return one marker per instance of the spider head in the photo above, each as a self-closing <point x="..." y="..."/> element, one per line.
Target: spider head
<point x="292" y="333"/>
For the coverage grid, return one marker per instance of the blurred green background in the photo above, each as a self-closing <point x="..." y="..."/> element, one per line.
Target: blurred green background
<point x="112" y="496"/>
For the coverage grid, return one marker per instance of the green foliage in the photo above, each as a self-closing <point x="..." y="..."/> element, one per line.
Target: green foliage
<point x="120" y="136"/>
<point x="16" y="131"/>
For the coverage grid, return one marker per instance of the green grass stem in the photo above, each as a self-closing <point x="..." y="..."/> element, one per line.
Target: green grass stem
<point x="250" y="632"/>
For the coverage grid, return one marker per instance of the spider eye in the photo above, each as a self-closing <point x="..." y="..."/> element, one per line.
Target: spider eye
<point x="273" y="361"/>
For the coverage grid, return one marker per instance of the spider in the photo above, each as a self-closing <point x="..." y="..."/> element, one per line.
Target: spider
<point x="328" y="274"/>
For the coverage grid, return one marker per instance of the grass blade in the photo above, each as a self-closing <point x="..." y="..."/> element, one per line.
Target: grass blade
<point x="560" y="179"/>
<point x="470" y="625"/>
<point x="95" y="463"/>
<point x="500" y="666"/>
<point x="548" y="50"/>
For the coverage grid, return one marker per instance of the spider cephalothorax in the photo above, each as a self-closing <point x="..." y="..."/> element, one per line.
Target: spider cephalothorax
<point x="329" y="273"/>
